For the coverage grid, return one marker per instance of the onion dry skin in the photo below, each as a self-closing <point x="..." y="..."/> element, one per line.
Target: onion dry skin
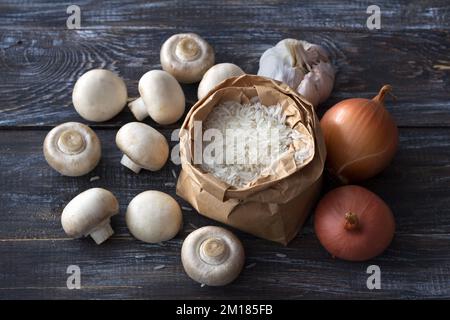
<point x="361" y="137"/>
<point x="353" y="223"/>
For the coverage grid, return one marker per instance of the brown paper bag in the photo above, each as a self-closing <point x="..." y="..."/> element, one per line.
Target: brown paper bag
<point x="275" y="206"/>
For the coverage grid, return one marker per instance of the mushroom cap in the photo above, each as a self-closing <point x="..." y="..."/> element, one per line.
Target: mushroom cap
<point x="72" y="148"/>
<point x="88" y="210"/>
<point x="215" y="75"/>
<point x="153" y="216"/>
<point x="163" y="96"/>
<point x="212" y="255"/>
<point x="186" y="56"/>
<point x="99" y="95"/>
<point x="143" y="145"/>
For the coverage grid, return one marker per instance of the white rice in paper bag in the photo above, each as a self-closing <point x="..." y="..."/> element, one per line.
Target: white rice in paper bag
<point x="265" y="138"/>
<point x="270" y="201"/>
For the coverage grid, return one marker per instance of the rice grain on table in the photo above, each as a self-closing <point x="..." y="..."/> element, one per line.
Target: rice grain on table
<point x="161" y="266"/>
<point x="193" y="226"/>
<point x="169" y="184"/>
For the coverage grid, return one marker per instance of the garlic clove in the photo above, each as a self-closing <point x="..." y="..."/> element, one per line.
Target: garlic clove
<point x="325" y="79"/>
<point x="317" y="85"/>
<point x="309" y="89"/>
<point x="280" y="64"/>
<point x="314" y="53"/>
<point x="297" y="53"/>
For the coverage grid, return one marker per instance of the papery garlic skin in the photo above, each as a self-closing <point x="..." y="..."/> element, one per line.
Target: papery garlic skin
<point x="317" y="85"/>
<point x="281" y="63"/>
<point x="304" y="66"/>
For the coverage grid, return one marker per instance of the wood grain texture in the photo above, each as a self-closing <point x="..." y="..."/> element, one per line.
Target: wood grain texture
<point x="36" y="252"/>
<point x="39" y="69"/>
<point x="124" y="268"/>
<point x="198" y="14"/>
<point x="31" y="188"/>
<point x="40" y="60"/>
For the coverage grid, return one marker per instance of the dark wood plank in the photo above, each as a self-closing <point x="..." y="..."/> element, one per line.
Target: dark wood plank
<point x="40" y="61"/>
<point x="35" y="251"/>
<point x="124" y="268"/>
<point x="40" y="68"/>
<point x="350" y="15"/>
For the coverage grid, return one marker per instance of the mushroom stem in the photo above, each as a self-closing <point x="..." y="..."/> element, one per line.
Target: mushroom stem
<point x="351" y="221"/>
<point x="187" y="49"/>
<point x="138" y="108"/>
<point x="71" y="142"/>
<point x="130" y="164"/>
<point x="102" y="232"/>
<point x="213" y="251"/>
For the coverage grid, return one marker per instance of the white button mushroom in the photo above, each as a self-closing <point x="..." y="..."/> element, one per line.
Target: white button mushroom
<point x="186" y="56"/>
<point x="72" y="148"/>
<point x="212" y="256"/>
<point x="161" y="97"/>
<point x="99" y="95"/>
<point x="143" y="147"/>
<point x="89" y="213"/>
<point x="216" y="75"/>
<point x="153" y="216"/>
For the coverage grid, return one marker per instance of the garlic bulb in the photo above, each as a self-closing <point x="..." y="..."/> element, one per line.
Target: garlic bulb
<point x="303" y="66"/>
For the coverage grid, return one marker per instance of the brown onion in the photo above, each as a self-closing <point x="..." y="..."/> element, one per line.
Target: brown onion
<point x="361" y="137"/>
<point x="353" y="223"/>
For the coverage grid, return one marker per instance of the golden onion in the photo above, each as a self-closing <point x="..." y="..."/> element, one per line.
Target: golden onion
<point x="361" y="137"/>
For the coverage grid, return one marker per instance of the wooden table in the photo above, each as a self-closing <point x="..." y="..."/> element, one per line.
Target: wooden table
<point x="40" y="60"/>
